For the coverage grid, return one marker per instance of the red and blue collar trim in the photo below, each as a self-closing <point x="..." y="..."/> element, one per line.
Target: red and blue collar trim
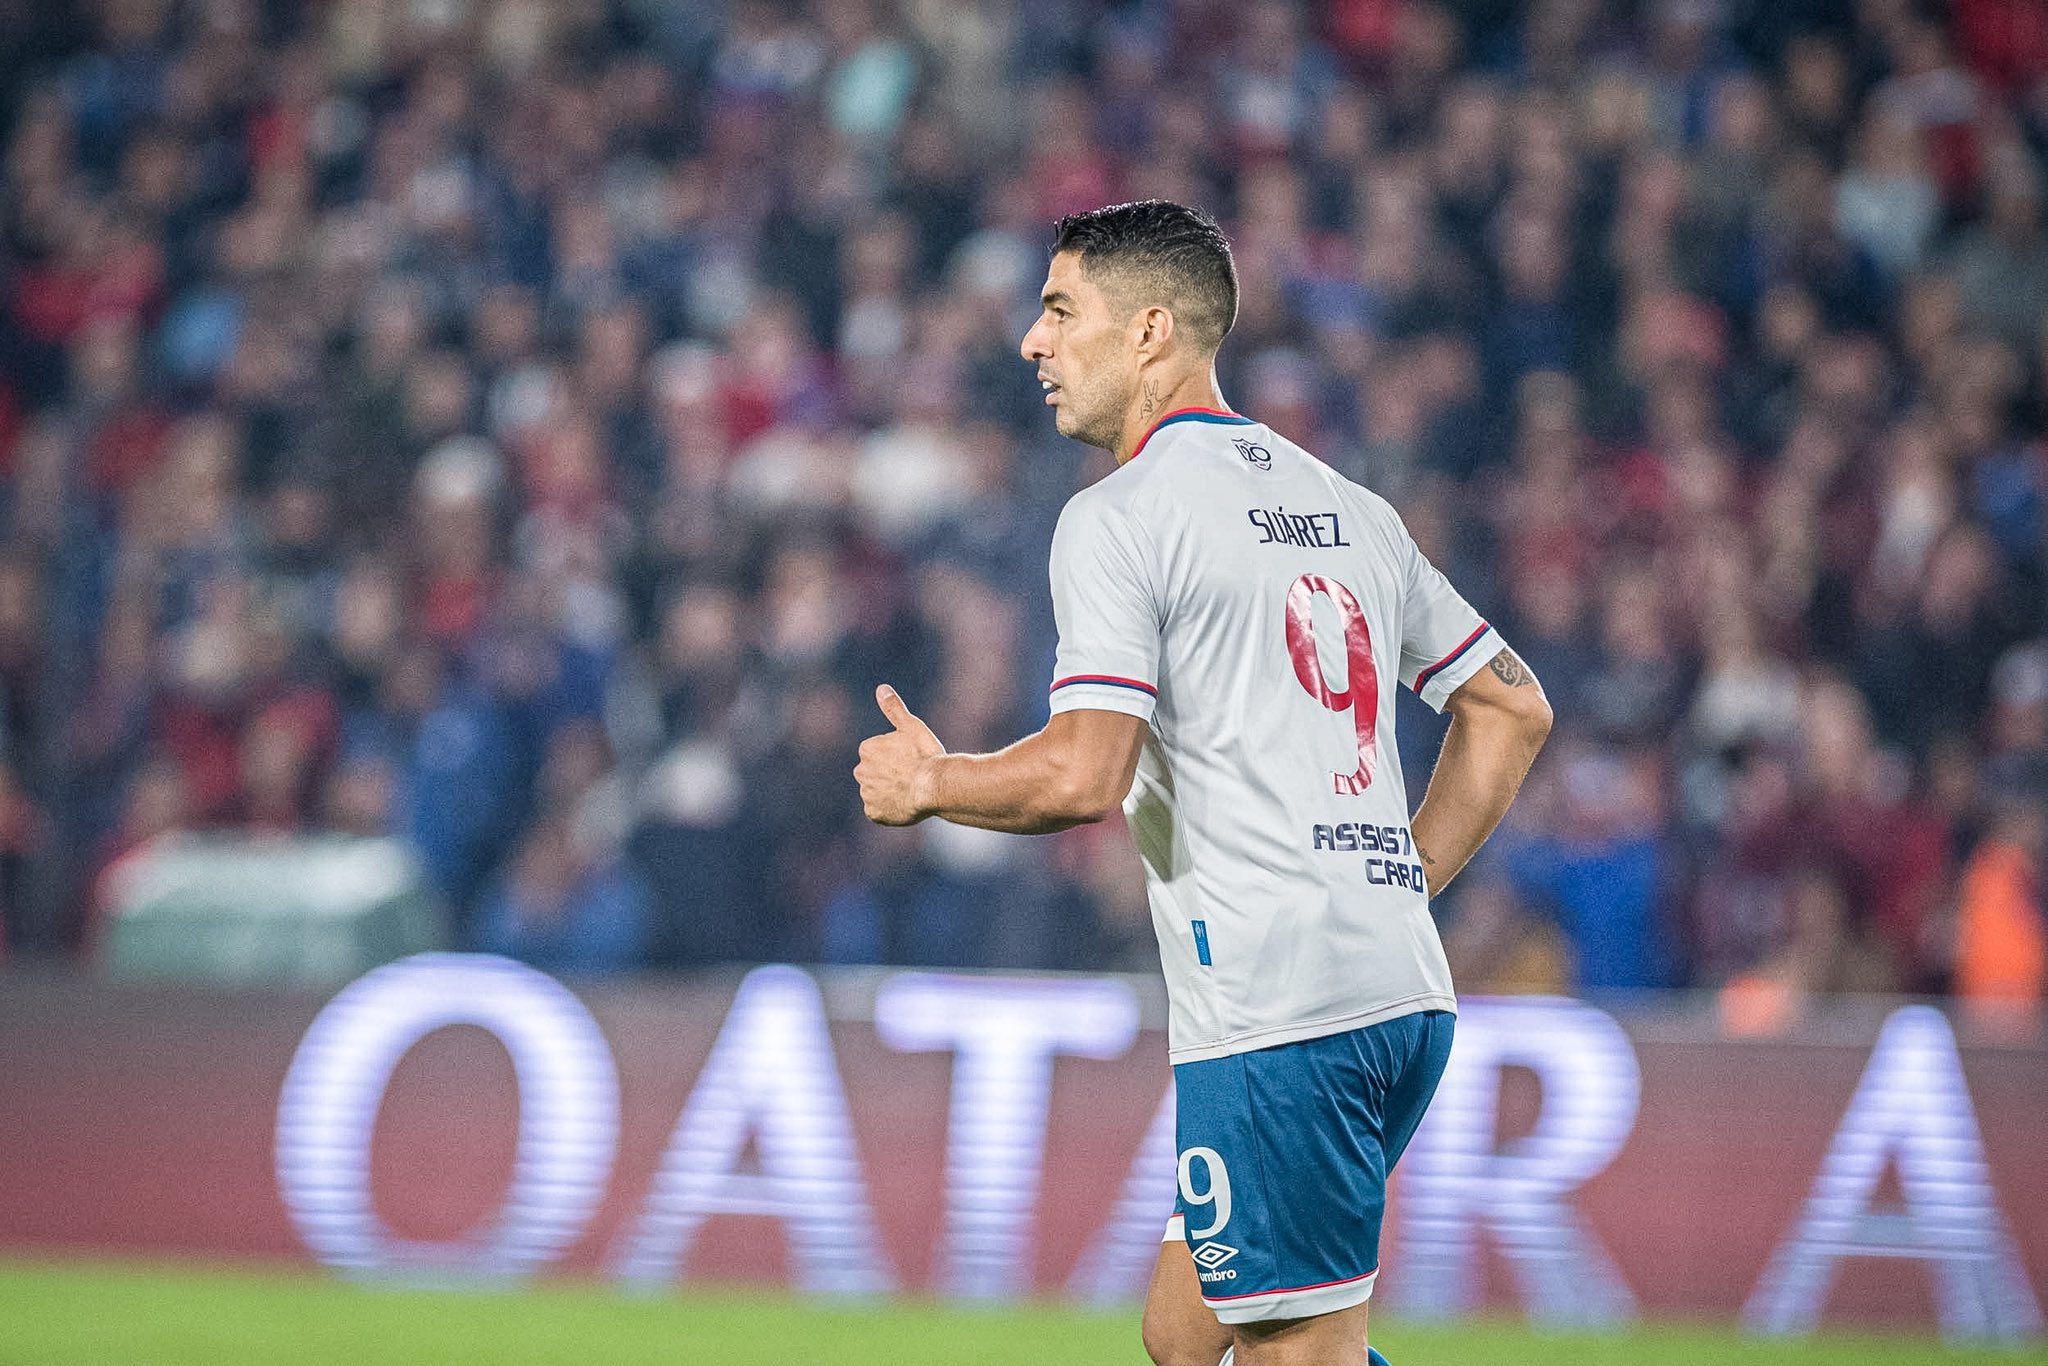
<point x="1219" y="415"/>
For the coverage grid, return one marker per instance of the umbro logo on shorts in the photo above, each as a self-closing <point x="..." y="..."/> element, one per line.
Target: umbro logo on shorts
<point x="1209" y="1256"/>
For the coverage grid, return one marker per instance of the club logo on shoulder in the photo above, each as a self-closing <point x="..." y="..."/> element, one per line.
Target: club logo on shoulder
<point x="1256" y="456"/>
<point x="1209" y="1256"/>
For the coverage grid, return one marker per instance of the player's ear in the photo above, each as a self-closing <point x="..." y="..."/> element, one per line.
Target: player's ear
<point x="1152" y="330"/>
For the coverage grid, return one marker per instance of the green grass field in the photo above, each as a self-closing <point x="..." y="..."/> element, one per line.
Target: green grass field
<point x="55" y="1314"/>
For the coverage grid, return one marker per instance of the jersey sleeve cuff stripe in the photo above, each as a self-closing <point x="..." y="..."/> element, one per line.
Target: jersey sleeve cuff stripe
<point x="1109" y="679"/>
<point x="1422" y="679"/>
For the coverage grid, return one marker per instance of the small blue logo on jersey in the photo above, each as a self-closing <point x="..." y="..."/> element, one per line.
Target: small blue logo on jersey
<point x="1201" y="929"/>
<point x="1256" y="456"/>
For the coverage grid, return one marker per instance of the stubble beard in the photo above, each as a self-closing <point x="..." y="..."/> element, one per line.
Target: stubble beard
<point x="1100" y="426"/>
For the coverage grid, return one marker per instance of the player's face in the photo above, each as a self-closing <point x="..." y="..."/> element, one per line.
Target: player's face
<point x="1080" y="346"/>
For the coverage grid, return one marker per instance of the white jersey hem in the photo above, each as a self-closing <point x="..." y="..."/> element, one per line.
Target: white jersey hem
<point x="1274" y="1035"/>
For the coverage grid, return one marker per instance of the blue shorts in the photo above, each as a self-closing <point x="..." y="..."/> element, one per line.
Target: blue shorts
<point x="1284" y="1156"/>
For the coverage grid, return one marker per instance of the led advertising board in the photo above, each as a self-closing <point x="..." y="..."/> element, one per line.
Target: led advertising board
<point x="463" y="1117"/>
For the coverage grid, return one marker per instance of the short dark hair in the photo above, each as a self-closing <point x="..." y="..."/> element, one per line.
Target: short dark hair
<point x="1163" y="253"/>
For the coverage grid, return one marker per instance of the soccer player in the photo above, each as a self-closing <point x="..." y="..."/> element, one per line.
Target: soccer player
<point x="1232" y="617"/>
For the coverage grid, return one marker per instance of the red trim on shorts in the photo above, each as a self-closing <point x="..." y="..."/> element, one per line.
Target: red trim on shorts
<point x="1293" y="1289"/>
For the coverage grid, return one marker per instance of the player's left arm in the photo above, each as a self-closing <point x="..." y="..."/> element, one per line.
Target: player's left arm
<point x="1074" y="772"/>
<point x="1499" y="721"/>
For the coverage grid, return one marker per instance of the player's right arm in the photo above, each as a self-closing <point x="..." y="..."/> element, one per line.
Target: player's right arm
<point x="1499" y="720"/>
<point x="1078" y="768"/>
<point x="1073" y="772"/>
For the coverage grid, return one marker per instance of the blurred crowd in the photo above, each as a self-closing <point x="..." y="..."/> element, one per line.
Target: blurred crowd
<point x="530" y="428"/>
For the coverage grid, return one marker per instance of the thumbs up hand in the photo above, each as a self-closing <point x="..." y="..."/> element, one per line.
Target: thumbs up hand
<point x="896" y="774"/>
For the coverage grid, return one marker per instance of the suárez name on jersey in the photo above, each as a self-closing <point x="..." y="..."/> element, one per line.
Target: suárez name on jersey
<point x="1316" y="530"/>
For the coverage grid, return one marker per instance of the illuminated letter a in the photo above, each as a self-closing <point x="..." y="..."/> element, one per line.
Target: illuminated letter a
<point x="1913" y="1108"/>
<point x="771" y="1076"/>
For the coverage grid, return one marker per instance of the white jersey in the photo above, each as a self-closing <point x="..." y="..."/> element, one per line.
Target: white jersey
<point x="1253" y="605"/>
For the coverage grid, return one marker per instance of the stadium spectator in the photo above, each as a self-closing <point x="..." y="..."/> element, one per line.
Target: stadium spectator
<point x="561" y="909"/>
<point x="1600" y="866"/>
<point x="2002" y="947"/>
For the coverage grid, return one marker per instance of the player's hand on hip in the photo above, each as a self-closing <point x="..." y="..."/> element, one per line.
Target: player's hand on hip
<point x="896" y="773"/>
